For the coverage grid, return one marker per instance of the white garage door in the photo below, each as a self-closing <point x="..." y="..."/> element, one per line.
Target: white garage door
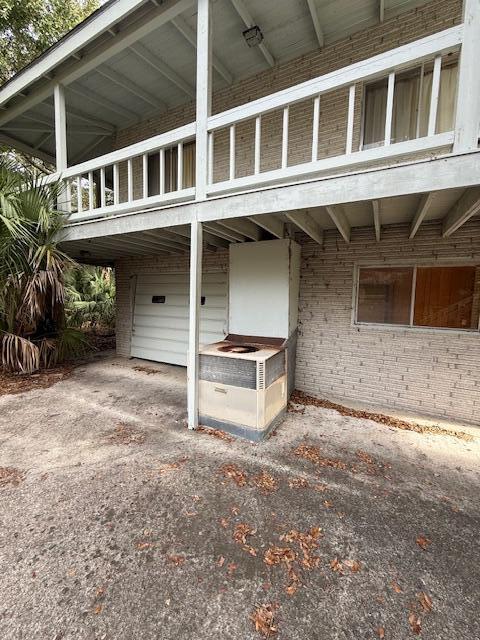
<point x="160" y="326"/>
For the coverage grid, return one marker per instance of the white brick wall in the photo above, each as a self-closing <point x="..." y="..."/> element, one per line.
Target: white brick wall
<point x="421" y="370"/>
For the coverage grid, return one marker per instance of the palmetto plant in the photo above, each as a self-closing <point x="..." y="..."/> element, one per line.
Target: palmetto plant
<point x="33" y="331"/>
<point x="90" y="297"/>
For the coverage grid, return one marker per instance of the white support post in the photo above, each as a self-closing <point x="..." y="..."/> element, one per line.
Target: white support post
<point x="468" y="97"/>
<point x="286" y="116"/>
<point x="145" y="174"/>
<point x="116" y="184"/>
<point x="432" y="118"/>
<point x="211" y="143"/>
<point x="258" y="143"/>
<point x="232" y="152"/>
<point x="196" y="246"/>
<point x="180" y="166"/>
<point x="204" y="95"/>
<point x="61" y="156"/>
<point x="316" y="128"/>
<point x="79" y="195"/>
<point x="90" y="190"/>
<point x="420" y="100"/>
<point x="350" y="119"/>
<point x="389" y="109"/>
<point x="162" y="172"/>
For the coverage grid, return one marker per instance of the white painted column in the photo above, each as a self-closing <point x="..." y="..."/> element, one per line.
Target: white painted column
<point x="468" y="99"/>
<point x="204" y="95"/>
<point x="196" y="247"/>
<point x="61" y="158"/>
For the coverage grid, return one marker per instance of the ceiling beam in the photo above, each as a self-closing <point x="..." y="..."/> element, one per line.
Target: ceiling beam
<point x="163" y="69"/>
<point x="189" y="35"/>
<point x="316" y="22"/>
<point x="248" y="20"/>
<point x="26" y="148"/>
<point x="130" y="86"/>
<point x="337" y="214"/>
<point x="209" y="238"/>
<point x="43" y="140"/>
<point x="137" y="30"/>
<point x="423" y="208"/>
<point x="223" y="232"/>
<point x="271" y="224"/>
<point x="243" y="226"/>
<point x="45" y="129"/>
<point x="167" y="242"/>
<point x="304" y="221"/>
<point x="462" y="211"/>
<point x="141" y="244"/>
<point x="87" y="149"/>
<point x="376" y="219"/>
<point x="105" y="103"/>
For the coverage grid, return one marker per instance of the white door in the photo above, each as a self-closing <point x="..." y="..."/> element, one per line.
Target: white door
<point x="160" y="324"/>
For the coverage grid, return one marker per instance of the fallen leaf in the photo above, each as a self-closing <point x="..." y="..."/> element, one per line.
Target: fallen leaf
<point x="423" y="542"/>
<point x="241" y="532"/>
<point x="224" y="522"/>
<point x="235" y="511"/>
<point x="396" y="587"/>
<point x="425" y="601"/>
<point x="298" y="483"/>
<point x="265" y="482"/>
<point x="327" y="504"/>
<point x="11" y="476"/>
<point x="277" y="555"/>
<point x="231" y="567"/>
<point x="414" y="622"/>
<point x="313" y="454"/>
<point x="264" y="619"/>
<point x="234" y="472"/>
<point x="177" y="560"/>
<point x="216" y="433"/>
<point x="381" y="633"/>
<point x="98" y="609"/>
<point x="141" y="546"/>
<point x="221" y="561"/>
<point x="336" y="566"/>
<point x="353" y="565"/>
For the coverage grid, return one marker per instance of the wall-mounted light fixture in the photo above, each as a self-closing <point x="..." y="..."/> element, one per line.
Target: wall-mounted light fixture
<point x="253" y="36"/>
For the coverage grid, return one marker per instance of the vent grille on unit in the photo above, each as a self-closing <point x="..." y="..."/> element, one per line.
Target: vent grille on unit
<point x="261" y="375"/>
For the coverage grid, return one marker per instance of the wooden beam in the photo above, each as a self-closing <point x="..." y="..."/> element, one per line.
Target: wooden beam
<point x="24" y="147"/>
<point x="271" y="224"/>
<point x="189" y="35"/>
<point x="423" y="208"/>
<point x="224" y="232"/>
<point x="248" y="20"/>
<point x="160" y="238"/>
<point x="304" y="221"/>
<point x="137" y="30"/>
<point x="130" y="86"/>
<point x="376" y="219"/>
<point x="159" y="65"/>
<point x="462" y="211"/>
<point x="337" y="214"/>
<point x="196" y="247"/>
<point x="316" y="22"/>
<point x="243" y="226"/>
<point x="94" y="97"/>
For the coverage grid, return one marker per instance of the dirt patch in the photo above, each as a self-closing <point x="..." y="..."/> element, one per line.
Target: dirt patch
<point x="11" y="476"/>
<point x="150" y="371"/>
<point x="125" y="434"/>
<point x="216" y="433"/>
<point x="11" y="383"/>
<point x="101" y="343"/>
<point x="301" y="398"/>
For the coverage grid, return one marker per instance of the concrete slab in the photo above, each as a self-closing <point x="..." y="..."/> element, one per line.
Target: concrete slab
<point x="123" y="526"/>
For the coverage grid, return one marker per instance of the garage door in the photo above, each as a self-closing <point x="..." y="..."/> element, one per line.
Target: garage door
<point x="160" y="325"/>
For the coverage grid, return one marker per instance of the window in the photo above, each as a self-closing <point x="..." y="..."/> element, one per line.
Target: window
<point x="411" y="105"/>
<point x="171" y="169"/>
<point x="438" y="297"/>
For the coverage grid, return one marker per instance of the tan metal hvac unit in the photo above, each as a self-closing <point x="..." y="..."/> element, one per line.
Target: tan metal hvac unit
<point x="243" y="387"/>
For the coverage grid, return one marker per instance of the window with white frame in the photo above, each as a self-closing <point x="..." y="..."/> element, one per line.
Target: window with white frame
<point x="446" y="297"/>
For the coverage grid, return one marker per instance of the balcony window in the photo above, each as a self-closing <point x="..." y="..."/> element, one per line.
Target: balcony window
<point x="171" y="169"/>
<point x="411" y="105"/>
<point x="445" y="297"/>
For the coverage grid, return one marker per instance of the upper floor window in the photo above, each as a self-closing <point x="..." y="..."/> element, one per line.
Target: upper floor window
<point x="440" y="297"/>
<point x="411" y="105"/>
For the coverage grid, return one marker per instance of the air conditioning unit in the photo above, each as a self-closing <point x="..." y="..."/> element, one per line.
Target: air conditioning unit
<point x="242" y="387"/>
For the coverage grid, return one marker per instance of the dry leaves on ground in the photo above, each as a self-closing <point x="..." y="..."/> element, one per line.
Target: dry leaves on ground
<point x="176" y="560"/>
<point x="125" y="434"/>
<point x="381" y="633"/>
<point x="234" y="472"/>
<point x="425" y="601"/>
<point x="216" y="433"/>
<point x="300" y="398"/>
<point x="298" y="483"/>
<point x="11" y="476"/>
<point x="313" y="454"/>
<point x="396" y="587"/>
<point x="13" y="383"/>
<point x="415" y="623"/>
<point x="241" y="532"/>
<point x="170" y="466"/>
<point x="264" y="619"/>
<point x="423" y="542"/>
<point x="265" y="482"/>
<point x="150" y="371"/>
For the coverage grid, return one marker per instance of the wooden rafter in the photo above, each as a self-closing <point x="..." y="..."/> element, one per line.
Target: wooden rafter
<point x="248" y="21"/>
<point x="377" y="223"/>
<point x="304" y="221"/>
<point x="337" y="214"/>
<point x="424" y="207"/>
<point x="462" y="211"/>
<point x="316" y="22"/>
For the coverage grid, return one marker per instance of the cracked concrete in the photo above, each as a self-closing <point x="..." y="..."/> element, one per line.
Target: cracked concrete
<point x="121" y="541"/>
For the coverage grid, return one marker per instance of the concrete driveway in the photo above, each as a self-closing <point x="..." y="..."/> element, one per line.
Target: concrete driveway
<point x="117" y="523"/>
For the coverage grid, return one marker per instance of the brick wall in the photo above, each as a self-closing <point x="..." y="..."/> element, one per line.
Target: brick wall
<point x="409" y="26"/>
<point x="426" y="371"/>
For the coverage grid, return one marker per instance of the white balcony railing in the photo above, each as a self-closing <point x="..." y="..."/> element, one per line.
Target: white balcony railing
<point x="119" y="181"/>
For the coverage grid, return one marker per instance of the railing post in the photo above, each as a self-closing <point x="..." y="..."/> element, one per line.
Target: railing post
<point x="196" y="245"/>
<point x="468" y="99"/>
<point x="61" y="158"/>
<point x="204" y="95"/>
